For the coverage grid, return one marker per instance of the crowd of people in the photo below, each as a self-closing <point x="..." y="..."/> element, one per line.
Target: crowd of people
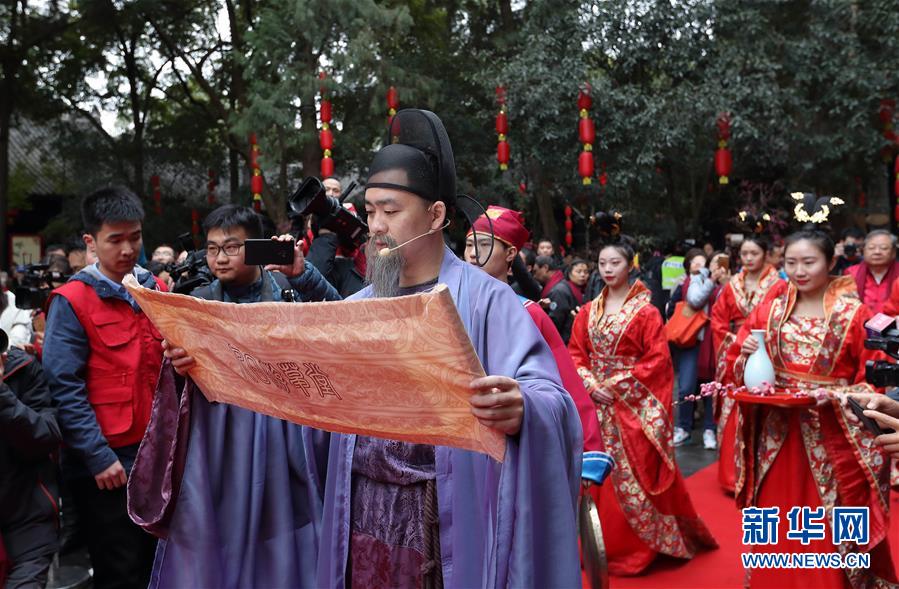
<point x="595" y="364"/>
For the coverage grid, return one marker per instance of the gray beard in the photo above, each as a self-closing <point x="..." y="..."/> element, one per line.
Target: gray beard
<point x="383" y="272"/>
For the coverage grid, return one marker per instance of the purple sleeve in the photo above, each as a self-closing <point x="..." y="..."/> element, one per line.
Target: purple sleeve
<point x="155" y="479"/>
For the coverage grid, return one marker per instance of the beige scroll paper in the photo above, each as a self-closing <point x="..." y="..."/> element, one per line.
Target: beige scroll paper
<point x="391" y="368"/>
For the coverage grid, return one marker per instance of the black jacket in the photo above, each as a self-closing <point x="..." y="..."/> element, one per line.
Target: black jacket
<point x="29" y="440"/>
<point x="340" y="272"/>
<point x="561" y="311"/>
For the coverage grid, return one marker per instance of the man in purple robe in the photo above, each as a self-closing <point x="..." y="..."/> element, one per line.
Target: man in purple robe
<point x="234" y="496"/>
<point x="407" y="515"/>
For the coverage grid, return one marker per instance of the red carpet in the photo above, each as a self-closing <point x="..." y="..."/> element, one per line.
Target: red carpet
<point x="716" y="569"/>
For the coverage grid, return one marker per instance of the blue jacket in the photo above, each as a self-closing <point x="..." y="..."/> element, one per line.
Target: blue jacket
<point x="65" y="354"/>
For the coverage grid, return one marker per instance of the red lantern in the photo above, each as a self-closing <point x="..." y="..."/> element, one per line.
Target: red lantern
<point x="194" y="222"/>
<point x="326" y="139"/>
<point x="326" y="111"/>
<point x="584" y="100"/>
<point x="723" y="165"/>
<point x="256" y="184"/>
<point x="502" y="123"/>
<point x="254" y="157"/>
<point x="502" y="154"/>
<point x="587" y="131"/>
<point x="393" y="101"/>
<point x="327" y="167"/>
<point x="723" y="126"/>
<point x="585" y="166"/>
<point x="568" y="224"/>
<point x="723" y="160"/>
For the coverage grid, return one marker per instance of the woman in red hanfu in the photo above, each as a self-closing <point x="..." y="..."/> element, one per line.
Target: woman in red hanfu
<point x="815" y="455"/>
<point x="619" y="346"/>
<point x="745" y="290"/>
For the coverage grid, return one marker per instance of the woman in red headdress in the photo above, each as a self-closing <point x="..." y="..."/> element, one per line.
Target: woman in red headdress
<point x="815" y="455"/>
<point x="494" y="245"/>
<point x="745" y="290"/>
<point x="619" y="346"/>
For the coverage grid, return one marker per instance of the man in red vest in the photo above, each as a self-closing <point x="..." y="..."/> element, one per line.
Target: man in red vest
<point x="102" y="357"/>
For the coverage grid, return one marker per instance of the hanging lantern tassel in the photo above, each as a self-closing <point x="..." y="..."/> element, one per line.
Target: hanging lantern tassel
<point x="326" y="136"/>
<point x="603" y="177"/>
<point x="393" y="103"/>
<point x="568" y="226"/>
<point x="157" y="194"/>
<point x="503" y="151"/>
<point x="586" y="135"/>
<point x="723" y="159"/>
<point x="256" y="181"/>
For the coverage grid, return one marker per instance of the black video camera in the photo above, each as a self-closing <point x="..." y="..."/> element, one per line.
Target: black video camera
<point x="36" y="284"/>
<point x="882" y="373"/>
<point x="193" y="272"/>
<point x="310" y="198"/>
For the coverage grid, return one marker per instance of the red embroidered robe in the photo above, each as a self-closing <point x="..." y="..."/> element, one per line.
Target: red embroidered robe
<point x="643" y="506"/>
<point x="813" y="456"/>
<point x="728" y="314"/>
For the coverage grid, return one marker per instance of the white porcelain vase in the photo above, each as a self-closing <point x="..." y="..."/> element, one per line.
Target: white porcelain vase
<point x="759" y="369"/>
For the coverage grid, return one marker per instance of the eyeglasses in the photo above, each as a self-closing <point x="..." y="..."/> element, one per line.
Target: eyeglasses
<point x="230" y="249"/>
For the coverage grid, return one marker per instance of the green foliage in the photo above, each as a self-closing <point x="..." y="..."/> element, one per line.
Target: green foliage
<point x="803" y="81"/>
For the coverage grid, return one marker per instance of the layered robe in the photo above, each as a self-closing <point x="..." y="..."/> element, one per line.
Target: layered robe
<point x="813" y="456"/>
<point x="644" y="506"/>
<point x="728" y="314"/>
<point x="510" y="524"/>
<point x="234" y="496"/>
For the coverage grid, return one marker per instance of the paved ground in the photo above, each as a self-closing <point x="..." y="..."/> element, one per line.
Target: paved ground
<point x="692" y="456"/>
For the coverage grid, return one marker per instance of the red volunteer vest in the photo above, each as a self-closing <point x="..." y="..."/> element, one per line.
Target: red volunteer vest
<point x="122" y="365"/>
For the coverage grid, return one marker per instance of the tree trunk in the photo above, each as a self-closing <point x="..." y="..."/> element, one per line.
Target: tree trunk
<point x="543" y="196"/>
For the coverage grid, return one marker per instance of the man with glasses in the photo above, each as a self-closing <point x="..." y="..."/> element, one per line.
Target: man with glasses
<point x="878" y="271"/>
<point x="249" y="502"/>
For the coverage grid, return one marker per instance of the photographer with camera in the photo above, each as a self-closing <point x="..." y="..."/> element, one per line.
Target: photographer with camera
<point x="884" y="410"/>
<point x="334" y="249"/>
<point x="102" y="357"/>
<point x="29" y="438"/>
<point x="230" y="446"/>
<point x="848" y="250"/>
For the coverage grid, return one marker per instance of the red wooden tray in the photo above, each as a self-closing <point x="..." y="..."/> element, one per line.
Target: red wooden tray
<point x="777" y="399"/>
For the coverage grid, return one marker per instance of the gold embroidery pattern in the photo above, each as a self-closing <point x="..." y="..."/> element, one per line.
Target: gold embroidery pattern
<point x="801" y="339"/>
<point x="746" y="302"/>
<point x="822" y="472"/>
<point x="659" y="531"/>
<point x="666" y="534"/>
<point x="772" y="436"/>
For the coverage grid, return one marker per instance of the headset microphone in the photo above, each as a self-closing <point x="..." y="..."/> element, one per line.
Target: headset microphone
<point x="386" y="251"/>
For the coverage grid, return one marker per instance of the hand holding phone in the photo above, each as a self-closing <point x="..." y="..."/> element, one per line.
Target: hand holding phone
<point x="871" y="425"/>
<point x="297" y="263"/>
